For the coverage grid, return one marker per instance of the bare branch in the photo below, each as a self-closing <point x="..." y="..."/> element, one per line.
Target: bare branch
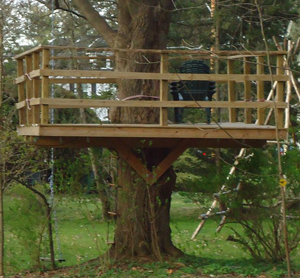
<point x="58" y="7"/>
<point x="96" y="20"/>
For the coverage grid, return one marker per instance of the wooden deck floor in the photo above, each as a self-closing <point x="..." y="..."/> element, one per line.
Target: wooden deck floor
<point x="223" y="135"/>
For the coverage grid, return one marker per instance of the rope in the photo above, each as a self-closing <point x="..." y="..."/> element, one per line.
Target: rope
<point x="139" y="96"/>
<point x="51" y="178"/>
<point x="28" y="103"/>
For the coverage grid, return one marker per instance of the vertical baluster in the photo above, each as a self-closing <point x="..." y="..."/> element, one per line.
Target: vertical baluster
<point x="231" y="92"/>
<point x="45" y="86"/>
<point x="21" y="92"/>
<point x="280" y="91"/>
<point x="29" y="93"/>
<point x="36" y="88"/>
<point x="260" y="90"/>
<point x="247" y="91"/>
<point x="164" y="86"/>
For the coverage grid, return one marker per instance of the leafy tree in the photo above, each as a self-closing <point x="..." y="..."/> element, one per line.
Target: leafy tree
<point x="256" y="207"/>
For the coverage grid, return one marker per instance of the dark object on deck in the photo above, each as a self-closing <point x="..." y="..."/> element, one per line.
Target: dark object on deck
<point x="193" y="90"/>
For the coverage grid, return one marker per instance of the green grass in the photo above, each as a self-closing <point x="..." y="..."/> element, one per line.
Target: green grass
<point x="83" y="236"/>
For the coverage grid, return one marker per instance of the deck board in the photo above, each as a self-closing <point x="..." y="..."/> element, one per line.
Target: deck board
<point x="152" y="135"/>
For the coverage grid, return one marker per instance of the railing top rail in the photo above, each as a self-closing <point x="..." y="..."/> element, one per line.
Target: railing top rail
<point x="215" y="54"/>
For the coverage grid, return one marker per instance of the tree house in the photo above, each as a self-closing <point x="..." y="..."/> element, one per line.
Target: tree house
<point x="252" y="93"/>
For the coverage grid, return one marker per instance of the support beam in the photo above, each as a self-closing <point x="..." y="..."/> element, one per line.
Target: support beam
<point x="29" y="93"/>
<point x="163" y="90"/>
<point x="45" y="86"/>
<point x="36" y="88"/>
<point x="231" y="92"/>
<point x="280" y="91"/>
<point x="125" y="152"/>
<point x="260" y="90"/>
<point x="150" y="178"/>
<point x="21" y="92"/>
<point x="247" y="92"/>
<point x="168" y="161"/>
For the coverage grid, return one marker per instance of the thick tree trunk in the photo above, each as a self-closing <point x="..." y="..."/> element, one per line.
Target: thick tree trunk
<point x="143" y="214"/>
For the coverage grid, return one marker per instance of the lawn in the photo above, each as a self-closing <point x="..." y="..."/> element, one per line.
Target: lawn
<point x="83" y="236"/>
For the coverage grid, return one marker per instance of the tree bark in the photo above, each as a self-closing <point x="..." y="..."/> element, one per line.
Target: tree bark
<point x="143" y="213"/>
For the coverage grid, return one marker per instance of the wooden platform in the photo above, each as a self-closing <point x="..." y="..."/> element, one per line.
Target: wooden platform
<point x="231" y="135"/>
<point x="252" y="97"/>
<point x="250" y="107"/>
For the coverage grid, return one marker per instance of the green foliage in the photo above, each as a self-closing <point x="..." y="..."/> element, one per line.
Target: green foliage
<point x="26" y="221"/>
<point x="83" y="237"/>
<point x="257" y="206"/>
<point x="196" y="172"/>
<point x="72" y="171"/>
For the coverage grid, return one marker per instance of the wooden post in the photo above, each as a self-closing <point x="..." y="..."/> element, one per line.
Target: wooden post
<point x="280" y="91"/>
<point x="163" y="90"/>
<point x="260" y="90"/>
<point x="21" y="92"/>
<point x="231" y="92"/>
<point x="45" y="87"/>
<point x="36" y="88"/>
<point x="247" y="90"/>
<point x="29" y="93"/>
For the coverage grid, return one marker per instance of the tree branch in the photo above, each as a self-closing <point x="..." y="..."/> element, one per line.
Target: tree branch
<point x="58" y="7"/>
<point x="96" y="21"/>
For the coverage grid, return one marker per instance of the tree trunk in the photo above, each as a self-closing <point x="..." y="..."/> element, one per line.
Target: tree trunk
<point x="143" y="213"/>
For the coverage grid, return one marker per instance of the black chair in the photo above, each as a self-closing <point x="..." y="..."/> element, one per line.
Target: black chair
<point x="193" y="90"/>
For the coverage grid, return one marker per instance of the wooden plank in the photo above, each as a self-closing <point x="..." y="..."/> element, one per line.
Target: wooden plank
<point x="175" y="51"/>
<point x="125" y="152"/>
<point x="231" y="92"/>
<point x="95" y="57"/>
<point x="45" y="86"/>
<point x="83" y="80"/>
<point x="21" y="92"/>
<point x="28" y="52"/>
<point x="260" y="90"/>
<point x="157" y="132"/>
<point x="36" y="88"/>
<point x="224" y="125"/>
<point x="280" y="91"/>
<point x="84" y="142"/>
<point x="247" y="91"/>
<point x="287" y="100"/>
<point x="163" y="89"/>
<point x="21" y="104"/>
<point x="29" y="92"/>
<point x="87" y="103"/>
<point x="20" y="79"/>
<point x="110" y="76"/>
<point x="238" y="133"/>
<point x="159" y="76"/>
<point x="168" y="161"/>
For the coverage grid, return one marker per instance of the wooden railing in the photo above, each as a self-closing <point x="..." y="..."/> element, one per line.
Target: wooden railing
<point x="247" y="69"/>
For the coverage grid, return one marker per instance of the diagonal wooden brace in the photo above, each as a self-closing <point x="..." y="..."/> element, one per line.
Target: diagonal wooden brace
<point x="168" y="161"/>
<point x="150" y="178"/>
<point x="125" y="152"/>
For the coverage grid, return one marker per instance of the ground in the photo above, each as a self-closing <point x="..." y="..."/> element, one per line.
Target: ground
<point x="188" y="267"/>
